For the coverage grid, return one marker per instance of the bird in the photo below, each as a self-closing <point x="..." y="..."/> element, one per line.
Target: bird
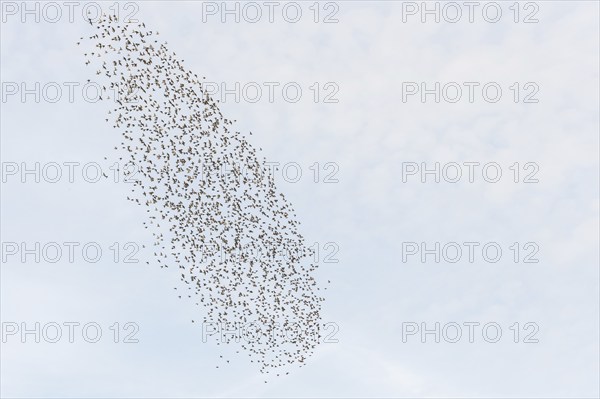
<point x="215" y="211"/>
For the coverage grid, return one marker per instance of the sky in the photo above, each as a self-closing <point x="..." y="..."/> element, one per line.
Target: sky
<point x="373" y="207"/>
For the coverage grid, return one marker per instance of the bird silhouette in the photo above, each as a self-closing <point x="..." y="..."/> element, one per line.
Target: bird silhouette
<point x="224" y="232"/>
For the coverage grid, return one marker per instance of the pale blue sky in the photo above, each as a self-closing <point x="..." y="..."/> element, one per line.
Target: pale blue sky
<point x="369" y="133"/>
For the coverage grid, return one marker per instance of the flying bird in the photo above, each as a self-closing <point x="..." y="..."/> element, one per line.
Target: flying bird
<point x="222" y="232"/>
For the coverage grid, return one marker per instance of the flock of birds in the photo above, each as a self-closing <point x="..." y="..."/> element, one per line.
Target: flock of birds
<point x="174" y="132"/>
